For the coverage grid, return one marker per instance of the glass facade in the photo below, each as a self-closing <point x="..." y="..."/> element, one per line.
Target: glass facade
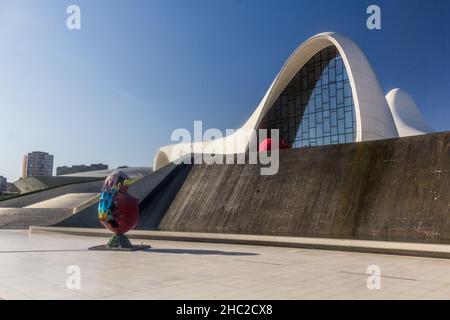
<point x="316" y="108"/>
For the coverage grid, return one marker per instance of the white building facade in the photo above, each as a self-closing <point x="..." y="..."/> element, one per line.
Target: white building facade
<point x="326" y="93"/>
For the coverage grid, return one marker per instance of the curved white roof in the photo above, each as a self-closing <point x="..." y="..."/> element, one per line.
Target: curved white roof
<point x="406" y="114"/>
<point x="374" y="119"/>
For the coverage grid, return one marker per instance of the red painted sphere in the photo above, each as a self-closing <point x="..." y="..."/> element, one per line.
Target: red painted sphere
<point x="126" y="213"/>
<point x="266" y="145"/>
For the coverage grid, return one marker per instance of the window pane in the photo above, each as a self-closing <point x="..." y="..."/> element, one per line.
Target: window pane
<point x="317" y="106"/>
<point x="340" y="96"/>
<point x="347" y="89"/>
<point x="348" y="120"/>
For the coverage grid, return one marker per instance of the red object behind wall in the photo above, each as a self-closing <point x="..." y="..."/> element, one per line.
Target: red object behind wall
<point x="126" y="213"/>
<point x="266" y="145"/>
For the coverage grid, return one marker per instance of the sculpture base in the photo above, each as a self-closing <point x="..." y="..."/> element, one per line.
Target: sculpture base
<point x="120" y="242"/>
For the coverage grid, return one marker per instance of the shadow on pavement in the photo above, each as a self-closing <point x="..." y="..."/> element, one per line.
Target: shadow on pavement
<point x="41" y="251"/>
<point x="202" y="252"/>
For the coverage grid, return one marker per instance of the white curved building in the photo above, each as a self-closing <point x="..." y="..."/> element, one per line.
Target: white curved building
<point x="326" y="93"/>
<point x="407" y="117"/>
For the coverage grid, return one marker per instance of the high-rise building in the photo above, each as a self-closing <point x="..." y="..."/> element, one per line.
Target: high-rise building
<point x="2" y="184"/>
<point x="37" y="163"/>
<point x="80" y="168"/>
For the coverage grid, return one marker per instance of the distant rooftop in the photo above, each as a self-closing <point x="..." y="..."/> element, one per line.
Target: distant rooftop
<point x="133" y="172"/>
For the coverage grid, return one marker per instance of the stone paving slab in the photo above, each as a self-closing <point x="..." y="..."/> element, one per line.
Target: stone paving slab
<point x="35" y="266"/>
<point x="367" y="246"/>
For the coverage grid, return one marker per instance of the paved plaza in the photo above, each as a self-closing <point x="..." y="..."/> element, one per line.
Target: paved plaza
<point x="35" y="267"/>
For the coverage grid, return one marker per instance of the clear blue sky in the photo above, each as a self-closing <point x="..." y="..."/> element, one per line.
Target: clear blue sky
<point x="114" y="91"/>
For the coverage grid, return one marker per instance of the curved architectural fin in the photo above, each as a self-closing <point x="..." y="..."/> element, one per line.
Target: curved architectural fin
<point x="407" y="116"/>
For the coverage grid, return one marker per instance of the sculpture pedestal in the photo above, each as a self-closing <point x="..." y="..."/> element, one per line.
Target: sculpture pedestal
<point x="120" y="242"/>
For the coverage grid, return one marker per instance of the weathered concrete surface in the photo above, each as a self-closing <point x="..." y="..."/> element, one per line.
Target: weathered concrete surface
<point x="39" y="196"/>
<point x="429" y="250"/>
<point x="67" y="201"/>
<point x="22" y="218"/>
<point x="86" y="218"/>
<point x="397" y="190"/>
<point x="155" y="205"/>
<point x="142" y="188"/>
<point x="39" y="183"/>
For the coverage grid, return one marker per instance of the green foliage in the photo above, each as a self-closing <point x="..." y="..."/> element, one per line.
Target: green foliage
<point x="119" y="241"/>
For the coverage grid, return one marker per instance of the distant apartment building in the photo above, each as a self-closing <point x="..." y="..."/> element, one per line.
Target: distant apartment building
<point x="80" y="168"/>
<point x="36" y="164"/>
<point x="3" y="184"/>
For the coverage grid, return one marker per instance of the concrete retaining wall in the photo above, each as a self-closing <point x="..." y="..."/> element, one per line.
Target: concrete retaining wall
<point x="396" y="190"/>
